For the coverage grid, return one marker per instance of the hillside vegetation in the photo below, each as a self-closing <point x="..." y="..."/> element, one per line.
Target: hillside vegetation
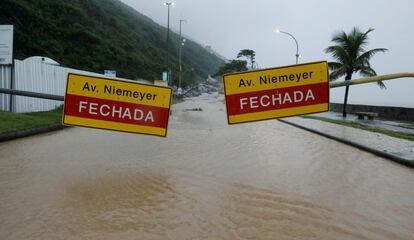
<point x="96" y="35"/>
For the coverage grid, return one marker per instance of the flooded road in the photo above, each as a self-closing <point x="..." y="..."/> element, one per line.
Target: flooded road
<point x="206" y="180"/>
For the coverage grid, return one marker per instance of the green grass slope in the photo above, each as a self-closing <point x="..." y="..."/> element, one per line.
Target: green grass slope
<point x="96" y="35"/>
<point x="12" y="122"/>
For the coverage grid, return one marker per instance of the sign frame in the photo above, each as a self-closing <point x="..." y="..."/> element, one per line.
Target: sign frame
<point x="225" y="88"/>
<point x="165" y="76"/>
<point x="110" y="73"/>
<point x="7" y="44"/>
<point x="160" y="83"/>
<point x="116" y="80"/>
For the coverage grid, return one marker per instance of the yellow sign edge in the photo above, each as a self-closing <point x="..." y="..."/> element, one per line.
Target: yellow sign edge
<point x="129" y="81"/>
<point x="117" y="80"/>
<point x="115" y="123"/>
<point x="270" y="118"/>
<point x="274" y="68"/>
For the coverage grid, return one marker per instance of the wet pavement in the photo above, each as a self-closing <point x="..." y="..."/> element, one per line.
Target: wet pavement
<point x="206" y="180"/>
<point x="395" y="146"/>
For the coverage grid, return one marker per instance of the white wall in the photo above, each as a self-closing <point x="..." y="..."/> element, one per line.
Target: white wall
<point x="35" y="76"/>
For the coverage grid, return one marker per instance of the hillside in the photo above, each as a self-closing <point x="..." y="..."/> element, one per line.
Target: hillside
<point x="96" y="35"/>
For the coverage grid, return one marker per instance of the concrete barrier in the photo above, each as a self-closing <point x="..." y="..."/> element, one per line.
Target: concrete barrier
<point x="384" y="112"/>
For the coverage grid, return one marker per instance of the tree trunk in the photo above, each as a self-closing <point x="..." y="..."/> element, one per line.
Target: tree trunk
<point x="347" y="78"/>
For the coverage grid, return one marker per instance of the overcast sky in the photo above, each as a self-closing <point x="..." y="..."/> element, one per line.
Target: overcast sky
<point x="231" y="25"/>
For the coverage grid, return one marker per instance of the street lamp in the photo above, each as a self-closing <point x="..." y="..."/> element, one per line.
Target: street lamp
<point x="168" y="4"/>
<point x="182" y="42"/>
<point x="297" y="46"/>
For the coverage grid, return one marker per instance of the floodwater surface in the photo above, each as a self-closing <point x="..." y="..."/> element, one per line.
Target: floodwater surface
<point x="206" y="180"/>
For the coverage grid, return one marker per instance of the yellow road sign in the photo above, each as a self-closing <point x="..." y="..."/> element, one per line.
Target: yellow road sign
<point x="277" y="92"/>
<point x="116" y="105"/>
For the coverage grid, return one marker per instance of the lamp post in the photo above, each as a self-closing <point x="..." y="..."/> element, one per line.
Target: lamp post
<point x="297" y="46"/>
<point x="168" y="4"/>
<point x="182" y="42"/>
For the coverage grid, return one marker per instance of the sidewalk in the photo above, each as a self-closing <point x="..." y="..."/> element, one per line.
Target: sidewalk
<point x="396" y="149"/>
<point x="386" y="124"/>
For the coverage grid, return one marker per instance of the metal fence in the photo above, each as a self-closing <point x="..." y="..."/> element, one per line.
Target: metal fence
<point x="5" y="74"/>
<point x="34" y="76"/>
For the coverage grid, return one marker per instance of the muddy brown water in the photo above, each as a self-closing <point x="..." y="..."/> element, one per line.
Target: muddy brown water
<point x="207" y="180"/>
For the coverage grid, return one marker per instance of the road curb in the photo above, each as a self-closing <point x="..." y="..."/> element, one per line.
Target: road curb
<point x="29" y="132"/>
<point x="400" y="160"/>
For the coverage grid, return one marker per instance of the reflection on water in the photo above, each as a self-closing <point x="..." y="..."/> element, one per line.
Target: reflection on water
<point x="207" y="180"/>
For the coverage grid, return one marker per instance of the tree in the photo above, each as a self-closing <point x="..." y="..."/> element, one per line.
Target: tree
<point x="249" y="54"/>
<point x="233" y="66"/>
<point x="351" y="57"/>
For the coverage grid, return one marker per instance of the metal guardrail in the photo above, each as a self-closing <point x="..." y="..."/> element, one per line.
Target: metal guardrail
<point x="371" y="79"/>
<point x="332" y="85"/>
<point x="32" y="94"/>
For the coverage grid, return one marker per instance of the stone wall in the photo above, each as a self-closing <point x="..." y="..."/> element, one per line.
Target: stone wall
<point x="384" y="112"/>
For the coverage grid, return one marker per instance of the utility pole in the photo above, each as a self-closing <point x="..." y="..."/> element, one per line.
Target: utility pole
<point x="182" y="42"/>
<point x="168" y="4"/>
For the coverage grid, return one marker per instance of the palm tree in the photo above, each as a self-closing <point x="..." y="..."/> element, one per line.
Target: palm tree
<point x="249" y="54"/>
<point x="351" y="57"/>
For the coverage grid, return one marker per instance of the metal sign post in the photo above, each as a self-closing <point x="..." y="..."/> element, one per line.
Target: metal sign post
<point x="6" y="44"/>
<point x="12" y="74"/>
<point x="110" y="73"/>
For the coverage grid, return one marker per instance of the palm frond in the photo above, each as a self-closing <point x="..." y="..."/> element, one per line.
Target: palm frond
<point x="357" y="42"/>
<point x="366" y="56"/>
<point x="335" y="75"/>
<point x="339" y="53"/>
<point x="334" y="65"/>
<point x="340" y="37"/>
<point x="368" y="31"/>
<point x="367" y="72"/>
<point x="337" y="70"/>
<point x="381" y="85"/>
